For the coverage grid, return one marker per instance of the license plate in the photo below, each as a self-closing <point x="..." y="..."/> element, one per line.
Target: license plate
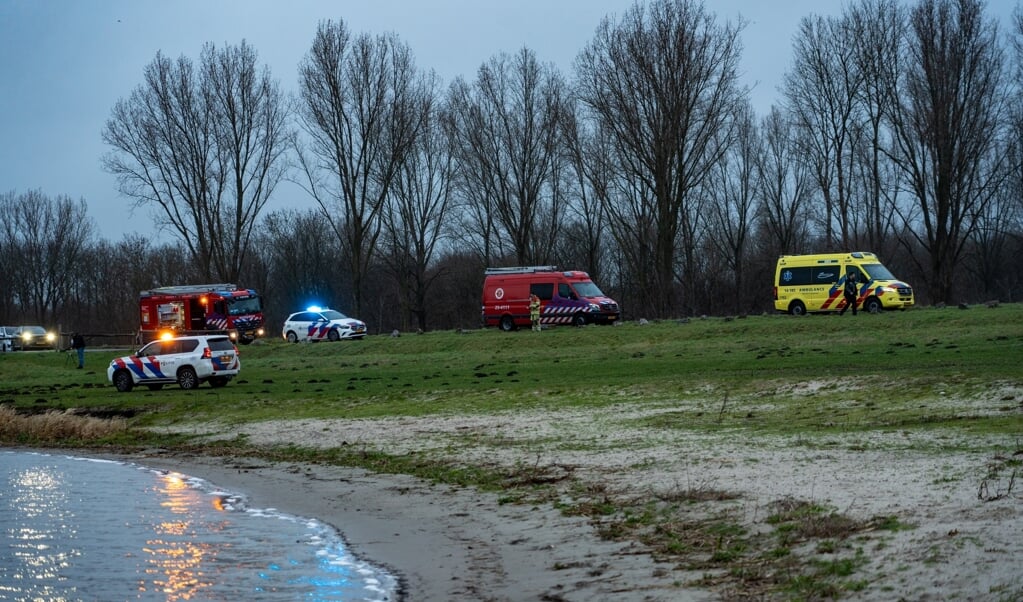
<point x="225" y="358"/>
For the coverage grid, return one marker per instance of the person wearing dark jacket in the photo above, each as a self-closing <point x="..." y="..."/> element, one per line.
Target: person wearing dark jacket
<point x="851" y="293"/>
<point x="78" y="344"/>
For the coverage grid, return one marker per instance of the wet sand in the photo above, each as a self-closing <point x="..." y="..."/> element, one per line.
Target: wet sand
<point x="445" y="543"/>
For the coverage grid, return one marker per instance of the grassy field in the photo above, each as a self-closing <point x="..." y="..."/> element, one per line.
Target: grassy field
<point x="887" y="364"/>
<point x="951" y="378"/>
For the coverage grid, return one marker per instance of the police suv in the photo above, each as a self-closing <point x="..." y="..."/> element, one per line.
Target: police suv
<point x="187" y="361"/>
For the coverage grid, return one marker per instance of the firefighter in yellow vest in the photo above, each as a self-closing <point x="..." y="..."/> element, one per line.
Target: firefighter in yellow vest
<point x="534" y="311"/>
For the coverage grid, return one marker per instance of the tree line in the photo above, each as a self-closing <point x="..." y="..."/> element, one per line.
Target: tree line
<point x="899" y="131"/>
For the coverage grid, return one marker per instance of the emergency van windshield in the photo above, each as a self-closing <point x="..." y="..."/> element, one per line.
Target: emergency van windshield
<point x="245" y="305"/>
<point x="587" y="289"/>
<point x="876" y="271"/>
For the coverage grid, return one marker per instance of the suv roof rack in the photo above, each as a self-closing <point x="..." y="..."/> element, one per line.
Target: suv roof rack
<point x="526" y="269"/>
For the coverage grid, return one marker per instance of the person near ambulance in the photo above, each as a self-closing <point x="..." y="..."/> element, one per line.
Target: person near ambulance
<point x="534" y="311"/>
<point x="851" y="293"/>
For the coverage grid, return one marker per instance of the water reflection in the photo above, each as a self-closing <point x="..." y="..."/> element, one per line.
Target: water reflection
<point x="38" y="560"/>
<point x="176" y="558"/>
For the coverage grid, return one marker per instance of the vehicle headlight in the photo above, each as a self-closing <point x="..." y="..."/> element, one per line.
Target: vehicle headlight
<point x="51" y="337"/>
<point x="26" y="336"/>
<point x="594" y="307"/>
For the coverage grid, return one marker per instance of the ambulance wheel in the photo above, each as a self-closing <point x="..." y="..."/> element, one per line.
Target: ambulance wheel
<point x="578" y="320"/>
<point x="122" y="381"/>
<point x="187" y="378"/>
<point x="154" y="387"/>
<point x="333" y="336"/>
<point x="507" y="324"/>
<point x="796" y="308"/>
<point x="872" y="305"/>
<point x="292" y="337"/>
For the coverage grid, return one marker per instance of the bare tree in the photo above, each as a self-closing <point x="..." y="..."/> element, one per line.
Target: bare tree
<point x="507" y="128"/>
<point x="591" y="169"/>
<point x="299" y="247"/>
<point x="415" y="218"/>
<point x="44" y="241"/>
<point x="205" y="146"/>
<point x="877" y="27"/>
<point x="732" y="190"/>
<point x="821" y="92"/>
<point x="361" y="111"/>
<point x="662" y="82"/>
<point x="947" y="128"/>
<point x="785" y="188"/>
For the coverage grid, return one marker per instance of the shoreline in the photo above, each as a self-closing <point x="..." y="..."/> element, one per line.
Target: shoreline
<point x="440" y="542"/>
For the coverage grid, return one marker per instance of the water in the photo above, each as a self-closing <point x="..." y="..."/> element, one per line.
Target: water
<point x="86" y="529"/>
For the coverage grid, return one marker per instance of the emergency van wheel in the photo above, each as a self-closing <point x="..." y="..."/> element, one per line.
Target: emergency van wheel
<point x="578" y="320"/>
<point x="872" y="305"/>
<point x="123" y="382"/>
<point x="333" y="336"/>
<point x="292" y="337"/>
<point x="796" y="308"/>
<point x="507" y="324"/>
<point x="187" y="378"/>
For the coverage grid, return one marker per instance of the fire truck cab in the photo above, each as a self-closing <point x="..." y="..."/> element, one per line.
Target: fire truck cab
<point x="200" y="309"/>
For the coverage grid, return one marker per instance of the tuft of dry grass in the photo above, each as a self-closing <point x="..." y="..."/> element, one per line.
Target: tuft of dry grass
<point x="56" y="426"/>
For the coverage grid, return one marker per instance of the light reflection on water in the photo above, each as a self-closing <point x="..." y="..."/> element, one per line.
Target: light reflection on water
<point x="78" y="529"/>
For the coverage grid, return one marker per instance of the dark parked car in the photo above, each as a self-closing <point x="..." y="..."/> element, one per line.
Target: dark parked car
<point x="34" y="337"/>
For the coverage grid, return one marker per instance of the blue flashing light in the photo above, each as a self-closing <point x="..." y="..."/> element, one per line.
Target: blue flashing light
<point x="314" y="308"/>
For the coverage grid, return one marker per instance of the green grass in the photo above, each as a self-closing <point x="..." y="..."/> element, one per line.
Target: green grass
<point x="889" y="371"/>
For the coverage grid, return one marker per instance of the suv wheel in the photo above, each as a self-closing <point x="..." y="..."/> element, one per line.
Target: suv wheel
<point x="123" y="381"/>
<point x="218" y="381"/>
<point x="187" y="378"/>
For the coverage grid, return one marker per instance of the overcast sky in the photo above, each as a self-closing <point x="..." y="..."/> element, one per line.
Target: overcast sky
<point x="65" y="63"/>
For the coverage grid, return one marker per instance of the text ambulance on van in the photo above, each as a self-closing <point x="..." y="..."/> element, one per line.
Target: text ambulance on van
<point x="566" y="297"/>
<point x="813" y="283"/>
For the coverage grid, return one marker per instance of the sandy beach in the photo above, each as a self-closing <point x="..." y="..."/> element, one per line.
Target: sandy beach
<point x="445" y="543"/>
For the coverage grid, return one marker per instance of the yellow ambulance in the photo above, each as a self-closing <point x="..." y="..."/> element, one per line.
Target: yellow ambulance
<point x="813" y="283"/>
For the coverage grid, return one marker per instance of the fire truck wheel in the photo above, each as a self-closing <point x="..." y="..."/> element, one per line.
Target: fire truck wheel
<point x="292" y="337"/>
<point x="123" y="382"/>
<point x="578" y="320"/>
<point x="187" y="378"/>
<point x="507" y="324"/>
<point x="333" y="335"/>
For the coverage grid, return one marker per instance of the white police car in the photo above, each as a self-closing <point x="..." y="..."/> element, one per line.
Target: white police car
<point x="318" y="324"/>
<point x="187" y="361"/>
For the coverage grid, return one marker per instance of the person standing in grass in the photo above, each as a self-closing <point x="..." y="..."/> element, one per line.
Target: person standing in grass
<point x="78" y="344"/>
<point x="534" y="311"/>
<point x="851" y="293"/>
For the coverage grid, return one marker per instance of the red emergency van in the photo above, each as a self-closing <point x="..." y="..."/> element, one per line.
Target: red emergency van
<point x="566" y="297"/>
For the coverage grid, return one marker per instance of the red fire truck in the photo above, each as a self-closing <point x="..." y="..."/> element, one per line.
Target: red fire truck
<point x="201" y="309"/>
